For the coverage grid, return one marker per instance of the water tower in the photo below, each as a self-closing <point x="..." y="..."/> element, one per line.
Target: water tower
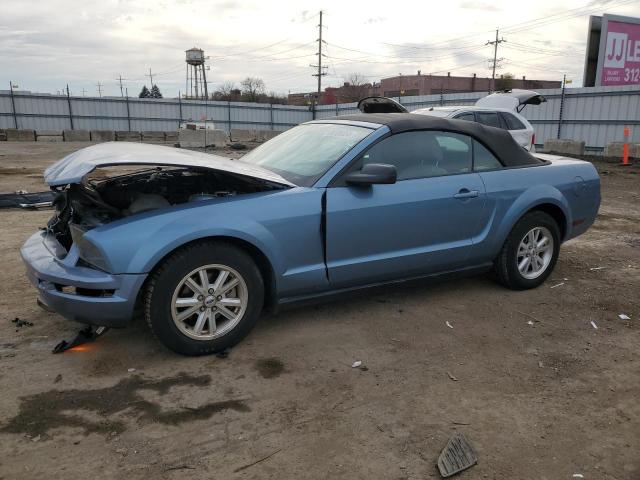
<point x="196" y="76"/>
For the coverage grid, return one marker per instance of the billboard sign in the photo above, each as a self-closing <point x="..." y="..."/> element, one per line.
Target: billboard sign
<point x="619" y="51"/>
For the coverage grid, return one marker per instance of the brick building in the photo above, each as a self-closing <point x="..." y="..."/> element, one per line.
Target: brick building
<point x="411" y="85"/>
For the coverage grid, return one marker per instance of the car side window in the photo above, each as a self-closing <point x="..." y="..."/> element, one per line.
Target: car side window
<point x="466" y="116"/>
<point x="483" y="159"/>
<point x="488" y="118"/>
<point x="512" y="121"/>
<point x="422" y="154"/>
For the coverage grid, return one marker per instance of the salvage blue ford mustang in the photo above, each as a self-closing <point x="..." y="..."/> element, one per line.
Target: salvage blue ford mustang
<point x="203" y="245"/>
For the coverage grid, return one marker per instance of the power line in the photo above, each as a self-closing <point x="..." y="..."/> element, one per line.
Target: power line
<point x="320" y="73"/>
<point x="495" y="44"/>
<point x="120" y="81"/>
<point x="150" y="76"/>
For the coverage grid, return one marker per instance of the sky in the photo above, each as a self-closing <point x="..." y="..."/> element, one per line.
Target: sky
<point x="47" y="44"/>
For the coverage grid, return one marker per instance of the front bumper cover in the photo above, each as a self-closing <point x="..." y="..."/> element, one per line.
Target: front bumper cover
<point x="49" y="271"/>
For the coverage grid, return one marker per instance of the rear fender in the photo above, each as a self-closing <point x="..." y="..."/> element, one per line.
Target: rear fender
<point x="530" y="199"/>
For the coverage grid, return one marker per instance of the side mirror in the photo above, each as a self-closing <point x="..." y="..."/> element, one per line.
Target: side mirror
<point x="373" y="174"/>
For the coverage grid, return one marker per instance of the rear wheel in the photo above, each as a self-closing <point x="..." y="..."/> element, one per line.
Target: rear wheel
<point x="204" y="298"/>
<point x="530" y="252"/>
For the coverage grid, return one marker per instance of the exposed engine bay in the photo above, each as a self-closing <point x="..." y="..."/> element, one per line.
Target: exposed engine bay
<point x="95" y="202"/>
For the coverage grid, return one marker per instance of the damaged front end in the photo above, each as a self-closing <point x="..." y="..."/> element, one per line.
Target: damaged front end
<point x="107" y="183"/>
<point x="80" y="207"/>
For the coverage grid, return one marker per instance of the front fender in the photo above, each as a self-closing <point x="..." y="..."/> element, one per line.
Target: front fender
<point x="156" y="234"/>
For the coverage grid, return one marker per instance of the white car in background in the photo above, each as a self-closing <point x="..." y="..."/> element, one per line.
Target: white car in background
<point x="501" y="109"/>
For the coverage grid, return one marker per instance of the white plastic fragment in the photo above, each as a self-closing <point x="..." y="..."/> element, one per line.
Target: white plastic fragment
<point x="448" y="324"/>
<point x="624" y="316"/>
<point x="578" y="475"/>
<point x="529" y="322"/>
<point x="131" y="370"/>
<point x="593" y="324"/>
<point x="558" y="285"/>
<point x="356" y="364"/>
<point x="593" y="269"/>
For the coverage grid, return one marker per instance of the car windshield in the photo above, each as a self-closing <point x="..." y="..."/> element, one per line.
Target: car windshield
<point x="304" y="153"/>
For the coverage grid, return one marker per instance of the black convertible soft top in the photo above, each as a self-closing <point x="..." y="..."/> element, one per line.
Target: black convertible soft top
<point x="499" y="141"/>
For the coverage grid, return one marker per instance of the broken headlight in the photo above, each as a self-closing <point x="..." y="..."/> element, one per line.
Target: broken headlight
<point x="87" y="251"/>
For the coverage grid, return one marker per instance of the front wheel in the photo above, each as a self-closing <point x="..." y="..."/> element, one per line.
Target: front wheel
<point x="530" y="252"/>
<point x="204" y="298"/>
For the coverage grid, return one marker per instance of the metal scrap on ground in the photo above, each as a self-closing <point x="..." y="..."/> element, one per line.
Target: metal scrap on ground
<point x="22" y="199"/>
<point x="457" y="456"/>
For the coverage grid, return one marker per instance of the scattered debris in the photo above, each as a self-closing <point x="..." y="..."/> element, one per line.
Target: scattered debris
<point x="455" y="379"/>
<point x="530" y="322"/>
<point x="87" y="334"/>
<point x="448" y="324"/>
<point x="58" y="378"/>
<point x="356" y="364"/>
<point x="131" y="370"/>
<point x="179" y="467"/>
<point x="528" y="315"/>
<point x="244" y="467"/>
<point x="238" y="146"/>
<point x="593" y="269"/>
<point x="457" y="456"/>
<point x="558" y="285"/>
<point x="21" y="323"/>
<point x="624" y="316"/>
<point x="593" y="324"/>
<point x="22" y="199"/>
<point x="578" y="475"/>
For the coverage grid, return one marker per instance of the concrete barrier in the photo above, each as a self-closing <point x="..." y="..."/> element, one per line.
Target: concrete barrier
<point x="241" y="135"/>
<point x="77" y="136"/>
<point x="103" y="136"/>
<point x="20" y="135"/>
<point x="124" y="136"/>
<point x="50" y="138"/>
<point x="265" y="135"/>
<point x="568" y="147"/>
<point x="49" y="133"/>
<point x="171" y="137"/>
<point x="197" y="138"/>
<point x="155" y="137"/>
<point x="614" y="149"/>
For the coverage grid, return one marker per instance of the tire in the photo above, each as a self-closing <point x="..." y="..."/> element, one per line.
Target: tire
<point x="516" y="250"/>
<point x="190" y="319"/>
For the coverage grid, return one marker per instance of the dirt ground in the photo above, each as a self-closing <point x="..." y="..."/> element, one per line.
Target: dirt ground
<point x="526" y="376"/>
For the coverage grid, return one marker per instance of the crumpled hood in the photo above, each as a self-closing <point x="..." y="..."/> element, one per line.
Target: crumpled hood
<point x="73" y="168"/>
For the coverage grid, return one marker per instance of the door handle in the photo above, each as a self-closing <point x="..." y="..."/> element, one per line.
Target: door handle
<point x="466" y="193"/>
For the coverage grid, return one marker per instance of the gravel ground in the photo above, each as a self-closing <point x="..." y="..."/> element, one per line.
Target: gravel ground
<point x="539" y="391"/>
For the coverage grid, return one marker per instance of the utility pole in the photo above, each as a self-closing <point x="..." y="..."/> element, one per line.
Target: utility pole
<point x="564" y="83"/>
<point x="99" y="85"/>
<point x="320" y="73"/>
<point x="120" y="81"/>
<point x="83" y="91"/>
<point x="150" y="77"/>
<point x="495" y="59"/>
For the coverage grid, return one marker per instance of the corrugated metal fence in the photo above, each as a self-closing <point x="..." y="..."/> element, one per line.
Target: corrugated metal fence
<point x="595" y="115"/>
